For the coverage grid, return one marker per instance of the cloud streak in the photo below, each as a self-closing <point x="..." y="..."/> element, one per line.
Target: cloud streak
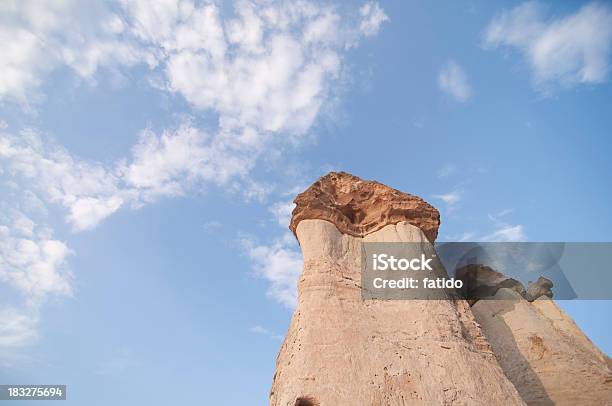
<point x="451" y="198"/>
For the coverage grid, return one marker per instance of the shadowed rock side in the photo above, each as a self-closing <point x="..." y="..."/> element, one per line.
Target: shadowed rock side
<point x="358" y="207"/>
<point x="341" y="350"/>
<point x="543" y="352"/>
<point x="541" y="287"/>
<point x="483" y="282"/>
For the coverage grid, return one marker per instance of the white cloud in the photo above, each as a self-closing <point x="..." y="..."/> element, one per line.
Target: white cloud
<point x="569" y="50"/>
<point x="162" y="165"/>
<point x="506" y="233"/>
<point x="281" y="264"/>
<point x="87" y="189"/>
<point x="33" y="264"/>
<point x="87" y="212"/>
<point x="23" y="225"/>
<point x="268" y="69"/>
<point x="453" y="81"/>
<point x="466" y="236"/>
<point x="496" y="217"/>
<point x="32" y="261"/>
<point x="265" y="332"/>
<point x="372" y="17"/>
<point x="503" y="232"/>
<point x="166" y="165"/>
<point x="450" y="198"/>
<point x="282" y="212"/>
<point x="17" y="329"/>
<point x="33" y="267"/>
<point x="39" y="37"/>
<point x="263" y="72"/>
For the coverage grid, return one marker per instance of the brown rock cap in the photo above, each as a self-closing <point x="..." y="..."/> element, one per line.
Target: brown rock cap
<point x="359" y="207"/>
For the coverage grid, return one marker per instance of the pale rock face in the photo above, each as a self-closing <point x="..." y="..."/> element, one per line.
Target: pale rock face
<point x="340" y="350"/>
<point x="543" y="352"/>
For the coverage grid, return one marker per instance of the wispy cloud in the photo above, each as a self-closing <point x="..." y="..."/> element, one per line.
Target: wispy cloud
<point x="568" y="50"/>
<point x="453" y="81"/>
<point x="280" y="263"/>
<point x="36" y="42"/>
<point x="17" y="327"/>
<point x="265" y="332"/>
<point x="450" y="198"/>
<point x="506" y="233"/>
<point x="502" y="213"/>
<point x="447" y="170"/>
<point x="463" y="237"/>
<point x="372" y="16"/>
<point x="503" y="231"/>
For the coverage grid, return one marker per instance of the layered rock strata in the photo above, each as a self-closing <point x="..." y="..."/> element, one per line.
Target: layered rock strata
<point x="358" y="207"/>
<point x="341" y="350"/>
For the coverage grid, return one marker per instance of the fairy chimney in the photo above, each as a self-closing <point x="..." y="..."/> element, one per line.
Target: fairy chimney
<point x="342" y="350"/>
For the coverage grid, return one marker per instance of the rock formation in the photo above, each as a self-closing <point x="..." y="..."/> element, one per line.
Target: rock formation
<point x="483" y="282"/>
<point x="357" y="207"/>
<point x="341" y="350"/>
<point x="539" y="288"/>
<point x="542" y="351"/>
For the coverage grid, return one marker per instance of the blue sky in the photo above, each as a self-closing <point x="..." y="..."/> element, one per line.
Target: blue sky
<point x="150" y="150"/>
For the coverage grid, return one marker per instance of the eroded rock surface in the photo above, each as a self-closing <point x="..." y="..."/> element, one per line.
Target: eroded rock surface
<point x="341" y="350"/>
<point x="542" y="351"/>
<point x="359" y="207"/>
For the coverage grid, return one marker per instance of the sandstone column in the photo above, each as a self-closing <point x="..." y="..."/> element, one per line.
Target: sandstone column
<point x="543" y="352"/>
<point x="341" y="350"/>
